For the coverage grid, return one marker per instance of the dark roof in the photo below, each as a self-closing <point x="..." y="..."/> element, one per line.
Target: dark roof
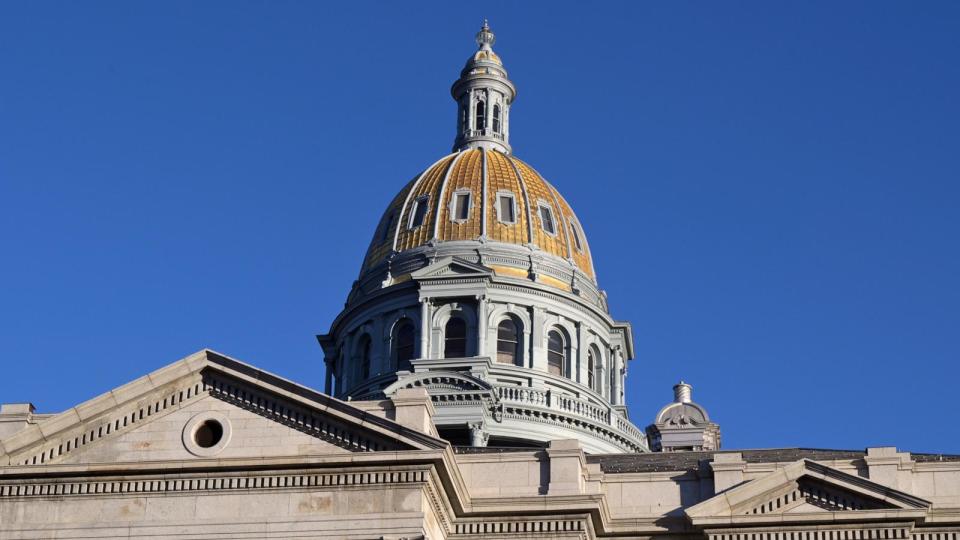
<point x="492" y="449"/>
<point x="693" y="461"/>
<point x="925" y="458"/>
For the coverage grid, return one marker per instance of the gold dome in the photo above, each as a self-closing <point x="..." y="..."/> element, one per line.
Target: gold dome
<point x="487" y="176"/>
<point x="484" y="56"/>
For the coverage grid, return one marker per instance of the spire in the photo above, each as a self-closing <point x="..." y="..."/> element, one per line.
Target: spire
<point x="483" y="94"/>
<point x="485" y="38"/>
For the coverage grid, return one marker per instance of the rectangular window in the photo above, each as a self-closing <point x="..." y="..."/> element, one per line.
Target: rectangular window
<point x="387" y="227"/>
<point x="419" y="213"/>
<point x="506" y="211"/>
<point x="461" y="206"/>
<point x="576" y="236"/>
<point x="546" y="219"/>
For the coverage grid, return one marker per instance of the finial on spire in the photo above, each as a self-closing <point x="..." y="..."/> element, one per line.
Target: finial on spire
<point x="485" y="37"/>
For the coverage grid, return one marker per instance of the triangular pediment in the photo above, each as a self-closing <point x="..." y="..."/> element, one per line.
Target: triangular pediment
<point x="799" y="489"/>
<point x="449" y="267"/>
<point x="207" y="406"/>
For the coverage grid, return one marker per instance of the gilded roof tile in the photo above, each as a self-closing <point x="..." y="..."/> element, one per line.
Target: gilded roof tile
<point x="463" y="172"/>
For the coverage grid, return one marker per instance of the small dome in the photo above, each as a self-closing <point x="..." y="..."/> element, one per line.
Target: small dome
<point x="484" y="56"/>
<point x="485" y="196"/>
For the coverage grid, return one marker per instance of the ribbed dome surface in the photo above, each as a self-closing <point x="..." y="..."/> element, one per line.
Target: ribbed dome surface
<point x="486" y="175"/>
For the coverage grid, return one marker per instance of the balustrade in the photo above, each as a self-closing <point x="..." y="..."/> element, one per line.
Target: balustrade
<point x="570" y="406"/>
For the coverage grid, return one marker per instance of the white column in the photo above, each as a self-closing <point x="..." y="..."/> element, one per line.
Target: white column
<point x="580" y="354"/>
<point x="424" y="328"/>
<point x="537" y="337"/>
<point x="618" y="376"/>
<point x="481" y="325"/>
<point x="328" y="377"/>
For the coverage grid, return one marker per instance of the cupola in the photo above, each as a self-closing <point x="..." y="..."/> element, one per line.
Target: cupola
<point x="483" y="94"/>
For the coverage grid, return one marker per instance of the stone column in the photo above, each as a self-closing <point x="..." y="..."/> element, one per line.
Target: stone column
<point x="424" y="328"/>
<point x="328" y="378"/>
<point x="539" y="360"/>
<point x="379" y="363"/>
<point x="616" y="364"/>
<point x="526" y="352"/>
<point x="346" y="364"/>
<point x="579" y="352"/>
<point x="482" y="325"/>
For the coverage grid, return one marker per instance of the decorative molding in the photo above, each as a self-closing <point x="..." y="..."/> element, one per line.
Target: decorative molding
<point x="166" y="400"/>
<point x="860" y="532"/>
<point x="297" y="417"/>
<point x="227" y="482"/>
<point x="483" y="528"/>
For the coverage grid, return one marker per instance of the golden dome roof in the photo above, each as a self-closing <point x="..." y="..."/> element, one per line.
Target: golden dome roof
<point x="490" y="178"/>
<point x="484" y="56"/>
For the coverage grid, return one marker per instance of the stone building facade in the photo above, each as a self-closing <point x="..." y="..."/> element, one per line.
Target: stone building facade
<point x="475" y="389"/>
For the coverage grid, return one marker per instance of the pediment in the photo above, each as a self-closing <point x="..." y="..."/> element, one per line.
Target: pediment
<point x="156" y="417"/>
<point x="449" y="267"/>
<point x="800" y="489"/>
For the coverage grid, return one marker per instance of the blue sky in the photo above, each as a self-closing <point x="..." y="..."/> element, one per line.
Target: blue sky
<point x="770" y="190"/>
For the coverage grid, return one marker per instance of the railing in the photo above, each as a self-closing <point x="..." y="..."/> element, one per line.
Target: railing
<point x="569" y="405"/>
<point x="583" y="408"/>
<point x="524" y="395"/>
<point x="627" y="427"/>
<point x="483" y="133"/>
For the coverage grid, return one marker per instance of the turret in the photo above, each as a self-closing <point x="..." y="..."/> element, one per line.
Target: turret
<point x="483" y="94"/>
<point x="683" y="425"/>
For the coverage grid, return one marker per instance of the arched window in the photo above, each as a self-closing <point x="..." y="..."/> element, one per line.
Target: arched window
<point x="455" y="338"/>
<point x="404" y="343"/>
<point x="594" y="370"/>
<point x="481" y="116"/>
<point x="508" y="341"/>
<point x="556" y="352"/>
<point x="496" y="118"/>
<point x="365" y="346"/>
<point x="463" y="117"/>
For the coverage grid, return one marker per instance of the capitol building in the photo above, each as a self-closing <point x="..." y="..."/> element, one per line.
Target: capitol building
<point x="474" y="389"/>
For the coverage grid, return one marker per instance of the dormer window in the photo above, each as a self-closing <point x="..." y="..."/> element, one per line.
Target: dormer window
<point x="506" y="208"/>
<point x="419" y="212"/>
<point x="460" y="206"/>
<point x="387" y="226"/>
<point x="575" y="232"/>
<point x="546" y="219"/>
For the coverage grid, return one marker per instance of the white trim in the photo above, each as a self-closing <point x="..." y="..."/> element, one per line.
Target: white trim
<point x="406" y="201"/>
<point x="452" y="205"/>
<point x="191" y="427"/>
<point x="576" y="231"/>
<point x="443" y="189"/>
<point x="483" y="193"/>
<point x="513" y="204"/>
<point x="425" y="199"/>
<point x="526" y="199"/>
<point x="541" y="204"/>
